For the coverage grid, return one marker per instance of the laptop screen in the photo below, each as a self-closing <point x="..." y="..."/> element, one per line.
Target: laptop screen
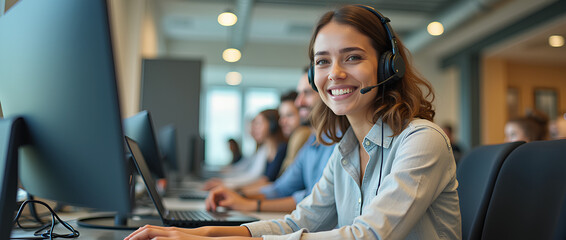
<point x="139" y="161"/>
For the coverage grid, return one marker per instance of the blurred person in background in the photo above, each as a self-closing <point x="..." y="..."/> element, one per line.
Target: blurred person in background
<point x="266" y="161"/>
<point x="557" y="128"/>
<point x="531" y="127"/>
<point x="292" y="127"/>
<point x="235" y="150"/>
<point x="290" y="124"/>
<point x="447" y="128"/>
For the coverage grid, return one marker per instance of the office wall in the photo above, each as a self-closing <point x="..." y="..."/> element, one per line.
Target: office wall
<point x="528" y="77"/>
<point x="493" y="100"/>
<point x="501" y="74"/>
<point x="446" y="88"/>
<point x="126" y="19"/>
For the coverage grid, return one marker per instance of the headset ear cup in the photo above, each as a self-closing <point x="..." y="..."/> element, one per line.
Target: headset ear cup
<point x="384" y="67"/>
<point x="311" y="78"/>
<point x="398" y="66"/>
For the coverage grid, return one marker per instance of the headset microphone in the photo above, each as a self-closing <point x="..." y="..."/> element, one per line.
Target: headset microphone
<point x="367" y="89"/>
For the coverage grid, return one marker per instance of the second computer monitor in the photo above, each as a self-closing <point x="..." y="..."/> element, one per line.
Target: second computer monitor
<point x="140" y="128"/>
<point x="167" y="141"/>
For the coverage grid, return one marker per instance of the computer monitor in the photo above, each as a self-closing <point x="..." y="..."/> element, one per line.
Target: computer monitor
<point x="140" y="128"/>
<point x="57" y="71"/>
<point x="167" y="139"/>
<point x="196" y="157"/>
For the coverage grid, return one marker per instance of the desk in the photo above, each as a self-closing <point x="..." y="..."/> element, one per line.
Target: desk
<point x="94" y="233"/>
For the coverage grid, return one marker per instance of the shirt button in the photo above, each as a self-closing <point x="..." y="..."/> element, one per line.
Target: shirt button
<point x="367" y="143"/>
<point x="359" y="200"/>
<point x="344" y="162"/>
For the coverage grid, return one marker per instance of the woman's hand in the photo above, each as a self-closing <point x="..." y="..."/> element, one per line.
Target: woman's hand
<point x="225" y="197"/>
<point x="202" y="233"/>
<point x="157" y="232"/>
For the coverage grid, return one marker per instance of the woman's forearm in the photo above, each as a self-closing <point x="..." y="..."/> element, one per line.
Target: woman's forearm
<point x="227" y="231"/>
<point x="286" y="204"/>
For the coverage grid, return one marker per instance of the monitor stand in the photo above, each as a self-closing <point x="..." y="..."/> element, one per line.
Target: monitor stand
<point x="12" y="136"/>
<point x="122" y="221"/>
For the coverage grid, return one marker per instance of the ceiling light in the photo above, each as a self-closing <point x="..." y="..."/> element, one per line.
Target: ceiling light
<point x="556" y="41"/>
<point x="233" y="78"/>
<point x="435" y="28"/>
<point x="231" y="55"/>
<point x="227" y="18"/>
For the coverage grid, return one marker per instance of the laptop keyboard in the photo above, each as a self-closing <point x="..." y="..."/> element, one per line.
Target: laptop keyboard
<point x="192" y="215"/>
<point x="199" y="195"/>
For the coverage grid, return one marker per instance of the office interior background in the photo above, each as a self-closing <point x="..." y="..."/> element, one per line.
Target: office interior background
<point x="492" y="62"/>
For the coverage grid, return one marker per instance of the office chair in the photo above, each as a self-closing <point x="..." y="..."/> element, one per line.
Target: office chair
<point x="560" y="231"/>
<point x="529" y="192"/>
<point x="11" y="138"/>
<point x="476" y="175"/>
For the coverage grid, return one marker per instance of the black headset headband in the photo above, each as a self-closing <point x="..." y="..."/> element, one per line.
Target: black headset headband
<point x="385" y="22"/>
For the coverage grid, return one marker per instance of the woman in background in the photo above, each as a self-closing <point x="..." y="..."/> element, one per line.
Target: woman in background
<point x="266" y="161"/>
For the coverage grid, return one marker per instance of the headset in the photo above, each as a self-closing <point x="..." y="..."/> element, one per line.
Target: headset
<point x="391" y="65"/>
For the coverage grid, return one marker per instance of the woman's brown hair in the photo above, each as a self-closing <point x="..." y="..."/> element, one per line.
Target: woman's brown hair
<point x="272" y="117"/>
<point x="403" y="99"/>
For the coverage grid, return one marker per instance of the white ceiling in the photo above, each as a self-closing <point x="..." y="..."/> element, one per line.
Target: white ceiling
<point x="275" y="33"/>
<point x="533" y="46"/>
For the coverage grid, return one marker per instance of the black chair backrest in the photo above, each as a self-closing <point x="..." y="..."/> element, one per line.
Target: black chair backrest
<point x="476" y="175"/>
<point x="10" y="139"/>
<point x="529" y="192"/>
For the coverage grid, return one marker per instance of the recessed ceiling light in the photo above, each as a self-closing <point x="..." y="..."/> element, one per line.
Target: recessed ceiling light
<point x="233" y="78"/>
<point x="227" y="18"/>
<point x="231" y="55"/>
<point x="556" y="41"/>
<point x="435" y="28"/>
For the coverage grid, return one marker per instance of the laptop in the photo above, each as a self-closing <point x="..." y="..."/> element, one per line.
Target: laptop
<point x="182" y="218"/>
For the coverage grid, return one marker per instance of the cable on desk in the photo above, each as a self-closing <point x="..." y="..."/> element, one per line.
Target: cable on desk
<point x="49" y="233"/>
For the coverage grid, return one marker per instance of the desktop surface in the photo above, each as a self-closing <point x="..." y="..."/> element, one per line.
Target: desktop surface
<point x="110" y="234"/>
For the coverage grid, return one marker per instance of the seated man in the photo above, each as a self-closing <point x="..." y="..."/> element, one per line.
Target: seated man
<point x="296" y="130"/>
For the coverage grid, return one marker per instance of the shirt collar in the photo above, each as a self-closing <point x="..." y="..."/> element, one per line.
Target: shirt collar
<point x="374" y="134"/>
<point x="349" y="142"/>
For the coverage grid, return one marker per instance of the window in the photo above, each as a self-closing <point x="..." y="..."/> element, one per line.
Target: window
<point x="223" y="121"/>
<point x="256" y="100"/>
<point x="228" y="114"/>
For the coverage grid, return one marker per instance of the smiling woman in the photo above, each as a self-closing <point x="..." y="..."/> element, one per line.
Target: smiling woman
<point x="345" y="61"/>
<point x="392" y="174"/>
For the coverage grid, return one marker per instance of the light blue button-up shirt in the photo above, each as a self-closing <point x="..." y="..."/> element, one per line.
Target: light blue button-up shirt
<point x="417" y="196"/>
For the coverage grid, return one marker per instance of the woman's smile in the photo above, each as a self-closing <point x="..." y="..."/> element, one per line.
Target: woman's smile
<point x="338" y="93"/>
